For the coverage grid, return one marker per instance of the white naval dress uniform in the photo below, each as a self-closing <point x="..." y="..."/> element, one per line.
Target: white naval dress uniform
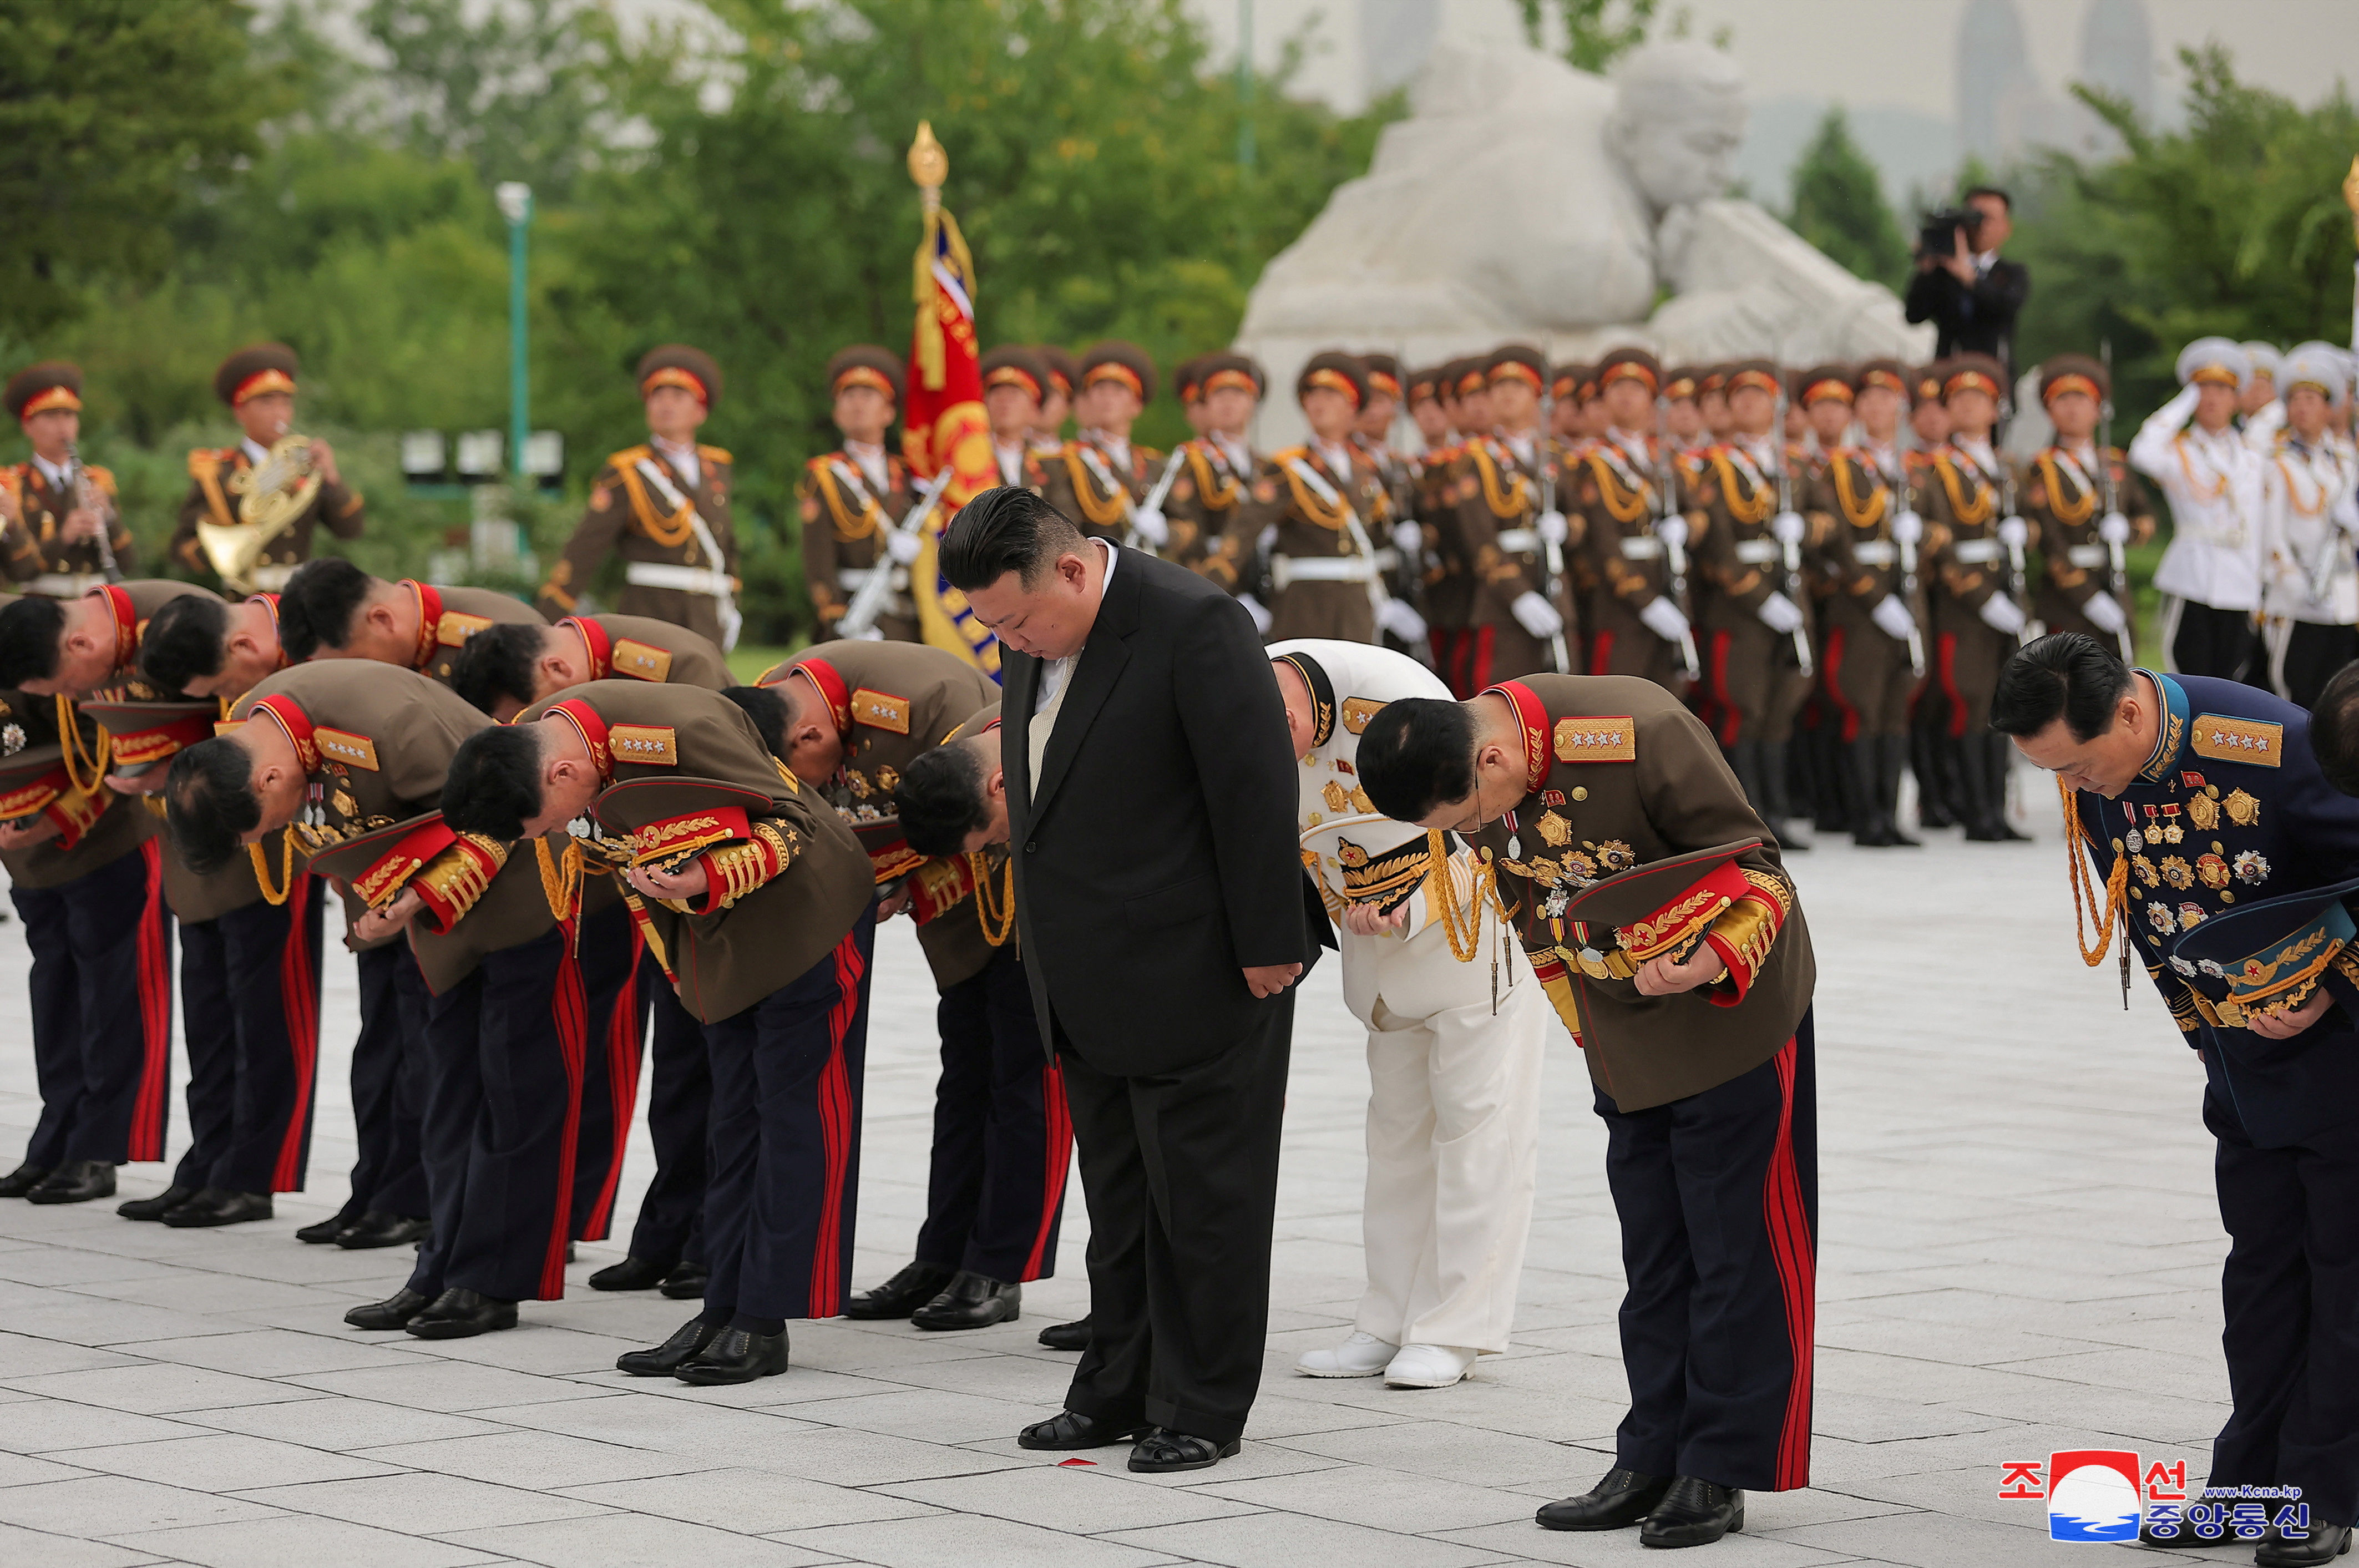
<point x="2213" y="481"/>
<point x="2310" y="531"/>
<point x="1453" y="1101"/>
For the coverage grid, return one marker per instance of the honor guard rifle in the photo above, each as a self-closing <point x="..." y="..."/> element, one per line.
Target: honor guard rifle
<point x="1898" y="491"/>
<point x="1551" y="552"/>
<point x="1790" y="551"/>
<point x="1675" y="552"/>
<point x="860" y="616"/>
<point x="2117" y="572"/>
<point x="2017" y="582"/>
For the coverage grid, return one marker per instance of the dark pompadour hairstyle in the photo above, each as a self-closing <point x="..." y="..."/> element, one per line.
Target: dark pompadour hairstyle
<point x="939" y="800"/>
<point x="1004" y="531"/>
<point x="209" y="799"/>
<point x="1416" y="754"/>
<point x="2004" y="200"/>
<point x="2335" y="729"/>
<point x="317" y="608"/>
<point x="29" y="632"/>
<point x="184" y="641"/>
<point x="766" y="706"/>
<point x="2066" y="675"/>
<point x="497" y="662"/>
<point x="493" y="784"/>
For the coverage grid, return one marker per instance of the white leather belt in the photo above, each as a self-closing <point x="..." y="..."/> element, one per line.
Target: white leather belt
<point x="1876" y="552"/>
<point x="1519" y="542"/>
<point x="2089" y="557"/>
<point x="685" y="579"/>
<point x="1285" y="569"/>
<point x="64" y="585"/>
<point x="852" y="579"/>
<point x="1756" y="553"/>
<point x="1645" y="546"/>
<point x="1977" y="552"/>
<point x="271" y="579"/>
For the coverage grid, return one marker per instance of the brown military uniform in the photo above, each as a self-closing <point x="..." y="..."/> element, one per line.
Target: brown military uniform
<point x="2063" y="499"/>
<point x="1495" y="505"/>
<point x="631" y="517"/>
<point x="1967" y="564"/>
<point x="1624" y="565"/>
<point x="640" y="647"/>
<point x="846" y="519"/>
<point x="213" y="499"/>
<point x="32" y="553"/>
<point x="447" y="617"/>
<point x="1752" y="676"/>
<point x="1088" y="484"/>
<point x="1202" y="508"/>
<point x="1864" y="671"/>
<point x="1314" y="503"/>
<point x="97" y="827"/>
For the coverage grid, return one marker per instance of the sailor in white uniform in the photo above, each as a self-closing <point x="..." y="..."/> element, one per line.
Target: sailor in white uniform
<point x="2309" y="526"/>
<point x="2210" y="575"/>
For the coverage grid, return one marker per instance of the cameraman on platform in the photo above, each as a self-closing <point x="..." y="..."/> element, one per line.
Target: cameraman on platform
<point x="1961" y="287"/>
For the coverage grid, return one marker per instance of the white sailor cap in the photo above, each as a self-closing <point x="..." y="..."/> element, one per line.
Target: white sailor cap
<point x="2319" y="364"/>
<point x="2264" y="357"/>
<point x="2215" y="360"/>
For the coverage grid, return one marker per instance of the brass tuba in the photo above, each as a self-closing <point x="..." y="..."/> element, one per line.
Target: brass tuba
<point x="271" y="496"/>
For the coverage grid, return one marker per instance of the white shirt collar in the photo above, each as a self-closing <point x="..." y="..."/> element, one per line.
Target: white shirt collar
<point x="253" y="450"/>
<point x="59" y="475"/>
<point x="1117" y="448"/>
<point x="1336" y="455"/>
<point x="1240" y="456"/>
<point x="682" y="457"/>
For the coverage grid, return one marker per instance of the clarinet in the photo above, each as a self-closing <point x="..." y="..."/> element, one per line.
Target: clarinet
<point x="86" y="498"/>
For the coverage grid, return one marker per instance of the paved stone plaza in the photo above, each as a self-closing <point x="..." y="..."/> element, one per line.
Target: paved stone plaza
<point x="2019" y="1254"/>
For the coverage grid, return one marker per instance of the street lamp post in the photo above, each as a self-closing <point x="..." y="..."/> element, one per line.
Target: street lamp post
<point x="516" y="205"/>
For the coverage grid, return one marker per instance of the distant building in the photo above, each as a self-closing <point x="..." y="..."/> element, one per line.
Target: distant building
<point x="1995" y="83"/>
<point x="2117" y="57"/>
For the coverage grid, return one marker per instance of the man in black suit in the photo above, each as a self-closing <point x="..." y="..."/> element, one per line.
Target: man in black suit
<point x="1970" y="295"/>
<point x="1150" y="793"/>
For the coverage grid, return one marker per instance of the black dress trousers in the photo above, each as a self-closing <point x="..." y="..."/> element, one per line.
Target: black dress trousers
<point x="250" y="1001"/>
<point x="670" y="1227"/>
<point x="388" y="1084"/>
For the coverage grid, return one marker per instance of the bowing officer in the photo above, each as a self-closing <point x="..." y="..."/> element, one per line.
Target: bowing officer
<point x="507" y="667"/>
<point x="2083" y="505"/>
<point x="61" y="531"/>
<point x="1661" y="924"/>
<point x="854" y="498"/>
<point x="663" y="508"/>
<point x="1099" y="478"/>
<point x="334" y="609"/>
<point x="737" y="875"/>
<point x="254" y="539"/>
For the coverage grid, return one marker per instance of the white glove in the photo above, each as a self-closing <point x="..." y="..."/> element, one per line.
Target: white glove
<point x="1663" y="618"/>
<point x="1260" y="616"/>
<point x="1149" y="524"/>
<point x="1892" y="617"/>
<point x="2014" y="532"/>
<point x="2114" y="528"/>
<point x="1790" y="528"/>
<point x="1538" y="615"/>
<point x="870" y="635"/>
<point x="1999" y="613"/>
<point x="1673" y="531"/>
<point x="1551" y="527"/>
<point x="1397" y="617"/>
<point x="2104" y="612"/>
<point x="1908" y="528"/>
<point x="903" y="545"/>
<point x="1410" y="540"/>
<point x="1780" y="614"/>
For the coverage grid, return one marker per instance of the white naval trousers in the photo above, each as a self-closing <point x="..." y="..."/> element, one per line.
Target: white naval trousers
<point x="1453" y="1131"/>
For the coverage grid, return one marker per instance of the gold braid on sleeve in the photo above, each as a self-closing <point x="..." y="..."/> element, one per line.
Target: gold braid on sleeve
<point x="455" y="881"/>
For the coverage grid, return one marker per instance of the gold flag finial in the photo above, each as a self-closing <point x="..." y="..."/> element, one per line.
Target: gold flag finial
<point x="929" y="164"/>
<point x="2350" y="195"/>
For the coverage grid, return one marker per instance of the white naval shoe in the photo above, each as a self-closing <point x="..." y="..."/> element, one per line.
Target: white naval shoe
<point x="1427" y="1366"/>
<point x="1362" y="1355"/>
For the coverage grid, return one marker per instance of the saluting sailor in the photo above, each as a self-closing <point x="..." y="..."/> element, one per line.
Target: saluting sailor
<point x="2210" y="574"/>
<point x="2310" y="523"/>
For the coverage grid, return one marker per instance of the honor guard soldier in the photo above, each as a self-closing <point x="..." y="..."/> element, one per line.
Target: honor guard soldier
<point x="1683" y="414"/>
<point x="1453" y="1105"/>
<point x="1204" y="505"/>
<point x="2210" y="574"/>
<point x="854" y="499"/>
<point x="1939" y="802"/>
<point x="1373" y="434"/>
<point x="1634" y="540"/>
<point x="705" y="823"/>
<point x="1712" y="404"/>
<point x="1564" y="410"/>
<point x="506" y="668"/>
<point x="333" y="609"/>
<point x="1663" y="927"/>
<point x="1015" y="385"/>
<point x="663" y="508"/>
<point x="61" y="531"/>
<point x="2085" y="507"/>
<point x="1505" y="529"/>
<point x="1056" y="406"/>
<point x="853" y="721"/>
<point x="2310" y="520"/>
<point x="1099" y="478"/>
<point x="1327" y="503"/>
<point x="251" y="507"/>
<point x="1873" y="649"/>
<point x="1448" y="585"/>
<point x="1971" y="547"/>
<point x="2222" y="850"/>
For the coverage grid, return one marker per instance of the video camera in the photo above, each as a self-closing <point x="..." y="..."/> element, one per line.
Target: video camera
<point x="1937" y="236"/>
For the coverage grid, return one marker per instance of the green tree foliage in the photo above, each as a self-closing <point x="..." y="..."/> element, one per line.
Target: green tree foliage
<point x="1839" y="206"/>
<point x="1596" y="32"/>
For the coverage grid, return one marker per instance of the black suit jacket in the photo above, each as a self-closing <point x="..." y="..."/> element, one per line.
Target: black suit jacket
<point x="1980" y="320"/>
<point x="1158" y="857"/>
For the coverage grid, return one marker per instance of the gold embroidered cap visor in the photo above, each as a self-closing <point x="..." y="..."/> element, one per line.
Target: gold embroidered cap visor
<point x="1660" y="910"/>
<point x="2272" y="956"/>
<point x="670" y="822"/>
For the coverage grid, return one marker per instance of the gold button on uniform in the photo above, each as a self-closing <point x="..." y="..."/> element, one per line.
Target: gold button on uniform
<point x="1581" y="792"/>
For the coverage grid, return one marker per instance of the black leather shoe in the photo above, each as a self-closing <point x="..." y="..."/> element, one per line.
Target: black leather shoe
<point x="75" y="1182"/>
<point x="373" y="1230"/>
<point x="736" y="1355"/>
<point x="1620" y="1501"/>
<point x="665" y="1359"/>
<point x="394" y="1311"/>
<point x="1160" y="1451"/>
<point x="460" y="1313"/>
<point x="631" y="1274"/>
<point x="2323" y="1544"/>
<point x="904" y="1293"/>
<point x="22" y="1180"/>
<point x="686" y="1282"/>
<point x="157" y="1207"/>
<point x="319" y="1232"/>
<point x="1071" y="1429"/>
<point x="217" y="1206"/>
<point x="1074" y="1335"/>
<point x="1694" y="1512"/>
<point x="972" y="1301"/>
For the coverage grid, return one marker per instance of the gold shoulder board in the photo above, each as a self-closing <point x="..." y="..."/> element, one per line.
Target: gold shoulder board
<point x="454" y="628"/>
<point x="2224" y="739"/>
<point x="342" y="746"/>
<point x="881" y="711"/>
<point x="1358" y="711"/>
<point x="640" y="662"/>
<point x="1612" y="739"/>
<point x="647" y="745"/>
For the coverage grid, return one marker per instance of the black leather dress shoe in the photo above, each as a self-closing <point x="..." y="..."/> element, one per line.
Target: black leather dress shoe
<point x="217" y="1206"/>
<point x="460" y="1313"/>
<point x="2323" y="1544"/>
<point x="1074" y="1335"/>
<point x="1620" y="1501"/>
<point x="1694" y="1512"/>
<point x="22" y="1180"/>
<point x="75" y="1182"/>
<point x="1071" y="1429"/>
<point x="157" y="1207"/>
<point x="631" y="1274"/>
<point x="686" y="1282"/>
<point x="972" y="1301"/>
<point x="318" y="1233"/>
<point x="736" y="1355"/>
<point x="394" y="1311"/>
<point x="373" y="1230"/>
<point x="1160" y="1451"/>
<point x="665" y="1359"/>
<point x="904" y="1293"/>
